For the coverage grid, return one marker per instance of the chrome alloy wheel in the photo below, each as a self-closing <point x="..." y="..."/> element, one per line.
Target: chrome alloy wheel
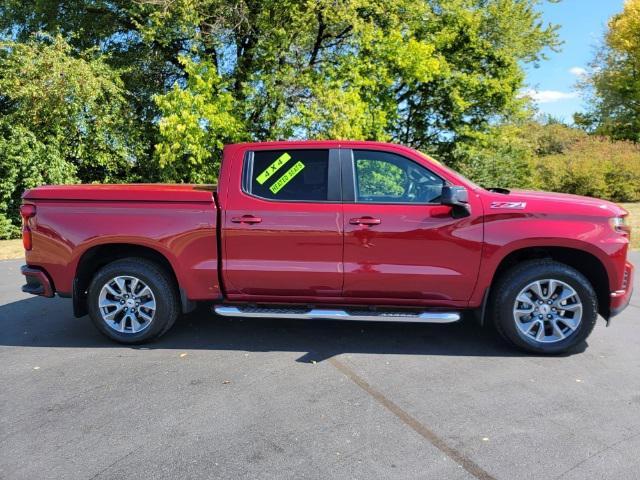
<point x="127" y="304"/>
<point x="547" y="311"/>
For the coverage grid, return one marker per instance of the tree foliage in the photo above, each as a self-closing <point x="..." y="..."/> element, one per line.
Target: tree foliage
<point x="78" y="104"/>
<point x="551" y="156"/>
<point x="614" y="84"/>
<point x="502" y="158"/>
<point x="63" y="118"/>
<point x="593" y="166"/>
<point x="196" y="120"/>
<point x="25" y="162"/>
<point x="150" y="90"/>
<point x="196" y="73"/>
<point x="429" y="74"/>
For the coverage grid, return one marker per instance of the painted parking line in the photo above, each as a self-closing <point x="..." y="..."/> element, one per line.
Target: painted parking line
<point x="469" y="465"/>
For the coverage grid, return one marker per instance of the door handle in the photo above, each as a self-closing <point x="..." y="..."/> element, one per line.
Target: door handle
<point x="365" y="221"/>
<point x="250" y="219"/>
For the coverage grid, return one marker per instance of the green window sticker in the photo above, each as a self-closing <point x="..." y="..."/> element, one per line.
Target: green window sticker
<point x="287" y="177"/>
<point x="273" y="168"/>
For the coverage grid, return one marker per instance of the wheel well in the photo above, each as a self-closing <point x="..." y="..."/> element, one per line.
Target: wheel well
<point x="97" y="257"/>
<point x="584" y="262"/>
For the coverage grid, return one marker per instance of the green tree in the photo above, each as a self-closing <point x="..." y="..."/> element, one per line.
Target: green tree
<point x="526" y="154"/>
<point x="108" y="30"/>
<point x="593" y="166"/>
<point x="25" y="162"/>
<point x="196" y="121"/>
<point x="430" y="74"/>
<point x="62" y="119"/>
<point x="614" y="84"/>
<point x="502" y="158"/>
<point x="76" y="104"/>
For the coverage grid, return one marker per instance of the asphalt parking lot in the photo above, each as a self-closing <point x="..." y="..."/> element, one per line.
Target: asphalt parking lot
<point x="221" y="398"/>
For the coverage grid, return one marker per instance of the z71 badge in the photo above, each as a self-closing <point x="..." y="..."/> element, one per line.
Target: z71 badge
<point x="511" y="205"/>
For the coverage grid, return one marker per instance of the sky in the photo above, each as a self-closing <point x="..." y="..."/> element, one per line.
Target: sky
<point x="582" y="25"/>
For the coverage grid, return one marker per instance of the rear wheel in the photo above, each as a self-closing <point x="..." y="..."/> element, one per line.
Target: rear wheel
<point x="132" y="301"/>
<point x="544" y="306"/>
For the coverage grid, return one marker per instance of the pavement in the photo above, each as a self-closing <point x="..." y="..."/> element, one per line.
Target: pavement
<point x="278" y="399"/>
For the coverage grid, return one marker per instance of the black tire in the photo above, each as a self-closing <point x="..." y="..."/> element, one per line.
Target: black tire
<point x="511" y="283"/>
<point x="160" y="283"/>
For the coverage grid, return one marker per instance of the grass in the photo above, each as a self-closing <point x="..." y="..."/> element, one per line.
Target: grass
<point x="10" y="249"/>
<point x="634" y="221"/>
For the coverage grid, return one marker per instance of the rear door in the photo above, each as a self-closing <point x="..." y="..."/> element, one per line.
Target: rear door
<point x="400" y="241"/>
<point x="283" y="226"/>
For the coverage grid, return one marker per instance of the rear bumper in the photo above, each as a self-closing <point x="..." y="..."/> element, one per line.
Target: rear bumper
<point x="38" y="282"/>
<point x="620" y="298"/>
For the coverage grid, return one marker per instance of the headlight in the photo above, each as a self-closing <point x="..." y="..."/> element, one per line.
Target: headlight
<point x="619" y="224"/>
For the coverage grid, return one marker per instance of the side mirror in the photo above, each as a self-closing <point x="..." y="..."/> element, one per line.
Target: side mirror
<point x="458" y="198"/>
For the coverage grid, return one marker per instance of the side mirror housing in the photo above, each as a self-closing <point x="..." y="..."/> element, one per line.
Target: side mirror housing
<point x="458" y="198"/>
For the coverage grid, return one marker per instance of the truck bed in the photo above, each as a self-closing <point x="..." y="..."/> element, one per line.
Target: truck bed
<point x="75" y="223"/>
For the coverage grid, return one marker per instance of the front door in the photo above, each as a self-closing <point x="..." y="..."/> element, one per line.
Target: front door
<point x="400" y="242"/>
<point x="283" y="230"/>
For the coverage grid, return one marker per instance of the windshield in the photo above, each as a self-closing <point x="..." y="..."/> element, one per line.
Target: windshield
<point x="451" y="171"/>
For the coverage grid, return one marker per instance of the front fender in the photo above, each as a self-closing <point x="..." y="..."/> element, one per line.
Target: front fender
<point x="509" y="233"/>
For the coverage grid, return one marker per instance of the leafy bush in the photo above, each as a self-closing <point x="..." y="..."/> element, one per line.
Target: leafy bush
<point x="7" y="229"/>
<point x="501" y="159"/>
<point x="25" y="162"/>
<point x="553" y="157"/>
<point x="551" y="137"/>
<point x="76" y="105"/>
<point x="595" y="167"/>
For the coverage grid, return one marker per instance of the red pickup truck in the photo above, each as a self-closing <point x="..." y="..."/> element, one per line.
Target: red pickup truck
<point x="330" y="230"/>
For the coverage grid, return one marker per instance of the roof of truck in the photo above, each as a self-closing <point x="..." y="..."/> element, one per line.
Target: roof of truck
<point x="315" y="143"/>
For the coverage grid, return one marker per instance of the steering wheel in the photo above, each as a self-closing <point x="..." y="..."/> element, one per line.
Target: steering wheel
<point x="415" y="180"/>
<point x="409" y="191"/>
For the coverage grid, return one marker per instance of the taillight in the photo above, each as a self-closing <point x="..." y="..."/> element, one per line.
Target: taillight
<point x="27" y="211"/>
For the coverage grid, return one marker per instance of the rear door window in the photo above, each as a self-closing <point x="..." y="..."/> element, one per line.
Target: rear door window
<point x="292" y="175"/>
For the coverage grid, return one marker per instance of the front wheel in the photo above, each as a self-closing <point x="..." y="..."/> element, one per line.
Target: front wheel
<point x="543" y="306"/>
<point x="132" y="301"/>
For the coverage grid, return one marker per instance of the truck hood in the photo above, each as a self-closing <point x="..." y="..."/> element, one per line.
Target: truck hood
<point x="551" y="203"/>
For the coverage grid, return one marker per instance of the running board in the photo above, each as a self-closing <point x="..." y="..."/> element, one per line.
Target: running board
<point x="317" y="313"/>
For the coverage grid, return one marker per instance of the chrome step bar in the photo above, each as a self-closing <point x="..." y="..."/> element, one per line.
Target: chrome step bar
<point x="326" y="314"/>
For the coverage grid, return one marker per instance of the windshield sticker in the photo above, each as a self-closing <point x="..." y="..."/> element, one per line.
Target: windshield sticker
<point x="287" y="177"/>
<point x="273" y="168"/>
